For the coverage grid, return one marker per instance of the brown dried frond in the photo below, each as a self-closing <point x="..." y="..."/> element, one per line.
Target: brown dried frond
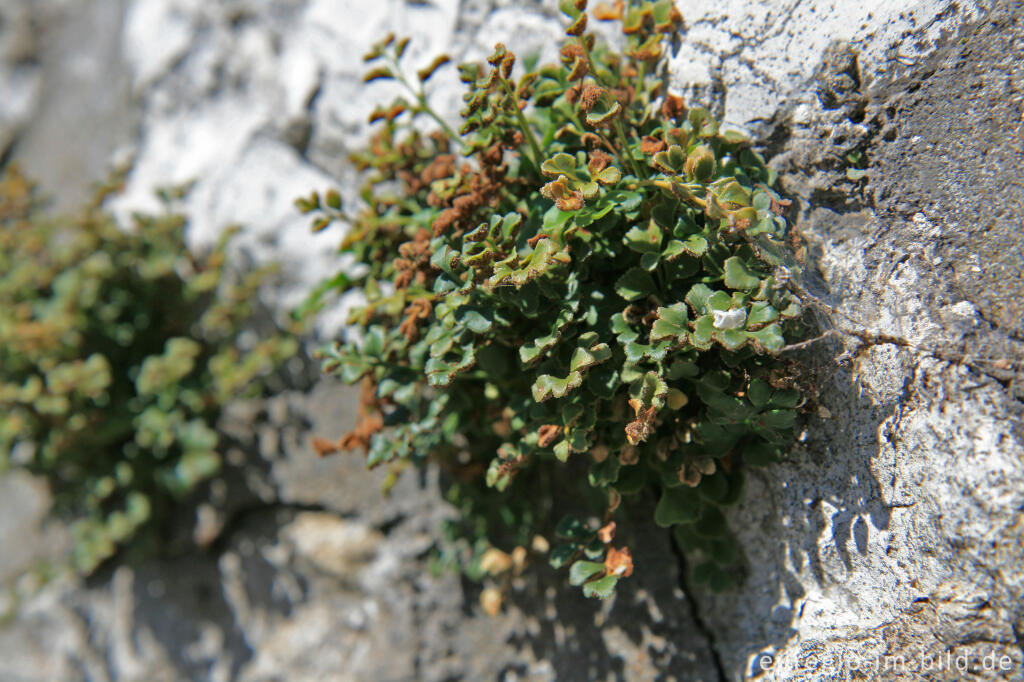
<point x="573" y="93"/>
<point x="591" y="140"/>
<point x="370" y="419"/>
<point x="479" y="190"/>
<point x="597" y="161"/>
<point x="359" y="437"/>
<point x="441" y="167"/>
<point x="624" y="95"/>
<point x="607" y="532"/>
<point x="571" y="52"/>
<point x="690" y="474"/>
<point x="547" y="434"/>
<point x="532" y="241"/>
<point x="619" y="562"/>
<point x="638" y="430"/>
<point x="673" y="107"/>
<point x="416" y="311"/>
<point x="444" y="221"/>
<point x="651" y="145"/>
<point x="606" y="12"/>
<point x="413" y="263"/>
<point x="325" y="447"/>
<point x="565" y="197"/>
<point x="589" y="96"/>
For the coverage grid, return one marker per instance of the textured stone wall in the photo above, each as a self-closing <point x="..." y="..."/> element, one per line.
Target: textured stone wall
<point x="894" y="528"/>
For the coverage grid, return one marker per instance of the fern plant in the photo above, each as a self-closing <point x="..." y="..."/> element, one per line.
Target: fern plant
<point x="573" y="292"/>
<point x="118" y="350"/>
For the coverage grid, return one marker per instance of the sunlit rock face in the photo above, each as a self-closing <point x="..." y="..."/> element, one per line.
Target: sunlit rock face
<point x="893" y="529"/>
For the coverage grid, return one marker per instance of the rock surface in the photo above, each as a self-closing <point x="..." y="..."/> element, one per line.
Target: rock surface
<point x="893" y="529"/>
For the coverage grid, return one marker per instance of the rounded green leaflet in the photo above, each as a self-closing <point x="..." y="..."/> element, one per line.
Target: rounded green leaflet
<point x="677" y="505"/>
<point x="581" y="571"/>
<point x="602" y="588"/>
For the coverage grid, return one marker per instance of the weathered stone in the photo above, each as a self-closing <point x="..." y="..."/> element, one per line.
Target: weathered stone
<point x="909" y="496"/>
<point x="70" y="91"/>
<point x="892" y="529"/>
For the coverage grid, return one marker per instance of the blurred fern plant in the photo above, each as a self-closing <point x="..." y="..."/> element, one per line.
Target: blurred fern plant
<point x="118" y="350"/>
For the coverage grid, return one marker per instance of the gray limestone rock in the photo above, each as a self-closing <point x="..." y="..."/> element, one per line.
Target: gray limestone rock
<point x="893" y="530"/>
<point x="890" y="536"/>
